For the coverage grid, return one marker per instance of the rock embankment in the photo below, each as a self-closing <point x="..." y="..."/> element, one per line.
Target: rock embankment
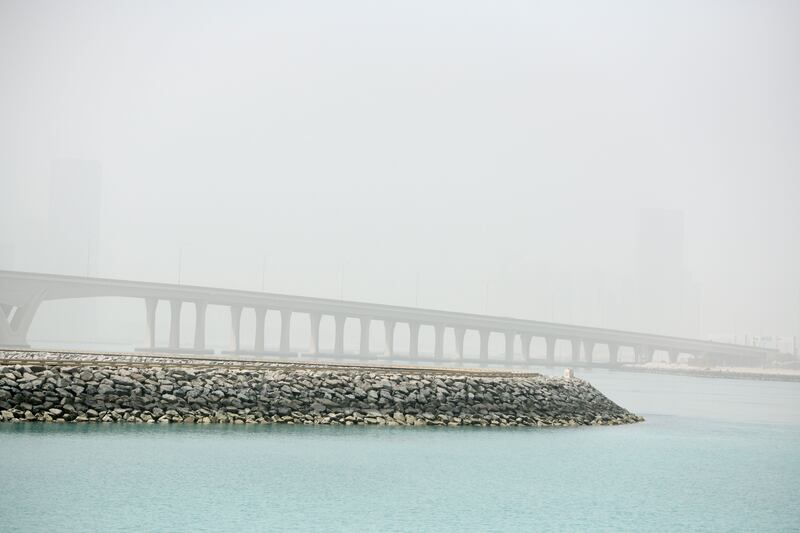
<point x="59" y="392"/>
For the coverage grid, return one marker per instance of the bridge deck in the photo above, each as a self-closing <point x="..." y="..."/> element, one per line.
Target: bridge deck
<point x="21" y="293"/>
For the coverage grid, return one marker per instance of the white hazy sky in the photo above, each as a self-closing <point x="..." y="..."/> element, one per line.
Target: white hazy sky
<point x="460" y="141"/>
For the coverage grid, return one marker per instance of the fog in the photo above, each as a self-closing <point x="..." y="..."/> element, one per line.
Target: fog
<point x="616" y="164"/>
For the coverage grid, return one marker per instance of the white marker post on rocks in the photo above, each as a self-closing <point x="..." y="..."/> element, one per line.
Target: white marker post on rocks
<point x="567" y="373"/>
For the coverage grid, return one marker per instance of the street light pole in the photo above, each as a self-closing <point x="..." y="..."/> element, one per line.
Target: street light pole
<point x="341" y="284"/>
<point x="263" y="272"/>
<point x="180" y="263"/>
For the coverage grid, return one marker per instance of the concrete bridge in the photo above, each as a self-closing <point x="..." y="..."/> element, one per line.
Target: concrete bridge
<point x="21" y="294"/>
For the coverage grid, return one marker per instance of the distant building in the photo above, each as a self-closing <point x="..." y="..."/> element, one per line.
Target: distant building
<point x="6" y="256"/>
<point x="74" y="218"/>
<point x="662" y="281"/>
<point x="76" y="189"/>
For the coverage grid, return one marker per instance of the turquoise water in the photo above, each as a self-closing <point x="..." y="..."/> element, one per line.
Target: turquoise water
<point x="714" y="455"/>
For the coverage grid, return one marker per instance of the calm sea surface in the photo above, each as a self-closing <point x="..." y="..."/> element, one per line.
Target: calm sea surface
<point x="714" y="455"/>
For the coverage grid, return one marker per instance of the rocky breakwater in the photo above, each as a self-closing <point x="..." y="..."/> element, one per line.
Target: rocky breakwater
<point x="325" y="395"/>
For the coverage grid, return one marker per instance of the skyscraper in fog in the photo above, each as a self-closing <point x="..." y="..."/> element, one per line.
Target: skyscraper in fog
<point x="7" y="225"/>
<point x="6" y="256"/>
<point x="74" y="218"/>
<point x="661" y="278"/>
<point x="76" y="189"/>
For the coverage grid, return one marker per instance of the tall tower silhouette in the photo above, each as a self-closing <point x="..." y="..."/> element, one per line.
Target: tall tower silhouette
<point x="76" y="189"/>
<point x="74" y="217"/>
<point x="661" y="276"/>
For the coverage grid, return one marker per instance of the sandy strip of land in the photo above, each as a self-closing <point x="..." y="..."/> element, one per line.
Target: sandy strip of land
<point x="243" y="361"/>
<point x="769" y="373"/>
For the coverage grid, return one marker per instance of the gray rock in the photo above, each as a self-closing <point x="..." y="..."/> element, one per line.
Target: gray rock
<point x="331" y="396"/>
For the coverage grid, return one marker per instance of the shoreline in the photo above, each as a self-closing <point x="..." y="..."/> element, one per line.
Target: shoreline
<point x="788" y="375"/>
<point x="677" y="369"/>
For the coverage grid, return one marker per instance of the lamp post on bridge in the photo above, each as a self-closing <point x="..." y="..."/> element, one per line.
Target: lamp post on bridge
<point x="180" y="263"/>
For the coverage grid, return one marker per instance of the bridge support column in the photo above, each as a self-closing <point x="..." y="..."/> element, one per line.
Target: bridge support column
<point x="459" y="333"/>
<point x="510" y="345"/>
<point x="286" y="324"/>
<point x="641" y="353"/>
<point x="17" y="330"/>
<point x="525" y="340"/>
<point x="236" y="320"/>
<point x="673" y="356"/>
<point x="5" y="325"/>
<point x="413" y="341"/>
<point x="388" y="341"/>
<point x="551" y="349"/>
<point x="6" y="335"/>
<point x="644" y="354"/>
<point x="484" y="355"/>
<point x="588" y="350"/>
<point x="175" y="324"/>
<point x="364" y="345"/>
<point x="613" y="353"/>
<point x="258" y="342"/>
<point x="313" y="341"/>
<point x="438" y="351"/>
<point x="200" y="326"/>
<point x="338" y="343"/>
<point x="576" y="350"/>
<point x="150" y="307"/>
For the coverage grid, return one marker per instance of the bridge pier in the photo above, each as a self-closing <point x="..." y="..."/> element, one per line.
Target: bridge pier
<point x="23" y="317"/>
<point x="175" y="324"/>
<point x="236" y="320"/>
<point x="510" y="345"/>
<point x="286" y="325"/>
<point x="388" y="343"/>
<point x="459" y="333"/>
<point x="525" y="339"/>
<point x="613" y="353"/>
<point x="551" y="349"/>
<point x="673" y="356"/>
<point x="643" y="354"/>
<point x="200" y="326"/>
<point x="150" y="308"/>
<point x="576" y="350"/>
<point x="258" y="342"/>
<point x="364" y="345"/>
<point x="313" y="341"/>
<point x="8" y="337"/>
<point x="647" y="354"/>
<point x="588" y="350"/>
<point x="338" y="348"/>
<point x="484" y="355"/>
<point x="438" y="350"/>
<point x="413" y="341"/>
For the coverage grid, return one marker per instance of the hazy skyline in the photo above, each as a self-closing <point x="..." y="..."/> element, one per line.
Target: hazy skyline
<point x="511" y="144"/>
